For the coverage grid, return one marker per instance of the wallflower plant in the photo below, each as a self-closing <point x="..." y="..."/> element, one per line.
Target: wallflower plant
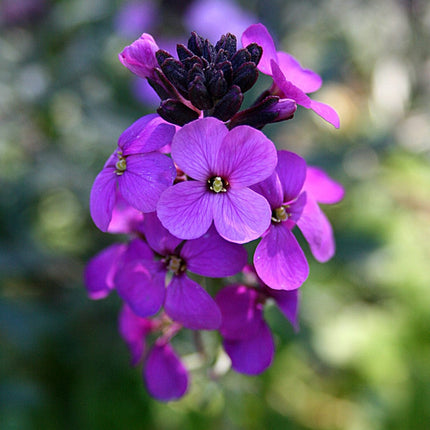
<point x="192" y="185"/>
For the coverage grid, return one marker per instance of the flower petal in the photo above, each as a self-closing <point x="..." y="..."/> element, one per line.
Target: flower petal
<point x="307" y="80"/>
<point x="317" y="231"/>
<point x="289" y="90"/>
<point x="291" y="170"/>
<point x="158" y="237"/>
<point x="142" y="290"/>
<point x="186" y="209"/>
<point x="288" y="303"/>
<point x="195" y="147"/>
<point x="147" y="134"/>
<point x="212" y="256"/>
<point x="271" y="190"/>
<point x="241" y="312"/>
<point x="146" y="177"/>
<point x="258" y="33"/>
<point x="102" y="198"/>
<point x="100" y="271"/>
<point x="241" y="215"/>
<point x="253" y="355"/>
<point x="279" y="260"/>
<point x="125" y="218"/>
<point x="165" y="376"/>
<point x="139" y="57"/>
<point x="133" y="330"/>
<point x="246" y="157"/>
<point x="189" y="304"/>
<point x="326" y="112"/>
<point x="321" y="187"/>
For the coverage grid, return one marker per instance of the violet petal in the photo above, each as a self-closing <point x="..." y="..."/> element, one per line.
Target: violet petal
<point x="102" y="198"/>
<point x="100" y="271"/>
<point x="321" y="187"/>
<point x="246" y="157"/>
<point x="195" y="147"/>
<point x="241" y="215"/>
<point x="291" y="170"/>
<point x="165" y="376"/>
<point x="212" y="256"/>
<point x="279" y="260"/>
<point x="142" y="290"/>
<point x="189" y="304"/>
<point x="145" y="178"/>
<point x="241" y="313"/>
<point x="186" y="209"/>
<point x="258" y="33"/>
<point x="253" y="355"/>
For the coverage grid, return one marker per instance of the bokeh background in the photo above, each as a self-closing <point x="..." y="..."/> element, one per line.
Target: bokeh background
<point x="361" y="360"/>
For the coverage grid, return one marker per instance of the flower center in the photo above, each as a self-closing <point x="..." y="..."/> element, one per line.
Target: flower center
<point x="280" y="214"/>
<point x="175" y="264"/>
<point x="217" y="184"/>
<point x="121" y="164"/>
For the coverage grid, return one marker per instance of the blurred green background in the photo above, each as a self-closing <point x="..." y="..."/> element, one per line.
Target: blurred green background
<point x="361" y="360"/>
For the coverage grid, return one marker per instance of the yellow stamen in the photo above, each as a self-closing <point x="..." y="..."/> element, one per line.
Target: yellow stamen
<point x="217" y="185"/>
<point x="280" y="214"/>
<point x="121" y="164"/>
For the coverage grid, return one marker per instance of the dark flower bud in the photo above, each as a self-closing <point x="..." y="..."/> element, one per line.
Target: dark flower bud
<point x="256" y="52"/>
<point x="229" y="104"/>
<point x="195" y="44"/>
<point x="241" y="56"/>
<point x="175" y="72"/>
<point x="199" y="95"/>
<point x="228" y="43"/>
<point x="183" y="52"/>
<point x="270" y="109"/>
<point x="176" y="112"/>
<point x="245" y="76"/>
<point x="162" y="56"/>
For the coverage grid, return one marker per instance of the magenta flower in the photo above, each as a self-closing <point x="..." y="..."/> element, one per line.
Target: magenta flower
<point x="290" y="79"/>
<point x="139" y="57"/>
<point x="279" y="259"/>
<point x="293" y="192"/>
<point x="165" y="376"/>
<point x="141" y="281"/>
<point x="137" y="169"/>
<point x="247" y="337"/>
<point x="223" y="165"/>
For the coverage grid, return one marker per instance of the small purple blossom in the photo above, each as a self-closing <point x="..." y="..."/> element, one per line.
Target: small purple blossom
<point x="164" y="374"/>
<point x="290" y="79"/>
<point x="223" y="165"/>
<point x="139" y="57"/>
<point x="137" y="169"/>
<point x="141" y="281"/>
<point x="247" y="337"/>
<point x="293" y="192"/>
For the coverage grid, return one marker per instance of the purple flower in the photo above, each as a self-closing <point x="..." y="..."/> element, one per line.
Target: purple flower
<point x="139" y="57"/>
<point x="223" y="165"/>
<point x="290" y="79"/>
<point x="137" y="169"/>
<point x="165" y="376"/>
<point x="279" y="259"/>
<point x="247" y="337"/>
<point x="293" y="192"/>
<point x="141" y="281"/>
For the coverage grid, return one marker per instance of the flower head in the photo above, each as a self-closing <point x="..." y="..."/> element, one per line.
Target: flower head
<point x="136" y="169"/>
<point x="223" y="165"/>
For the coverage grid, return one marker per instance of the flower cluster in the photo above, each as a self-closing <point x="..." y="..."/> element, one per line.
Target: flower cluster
<point x="190" y="186"/>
